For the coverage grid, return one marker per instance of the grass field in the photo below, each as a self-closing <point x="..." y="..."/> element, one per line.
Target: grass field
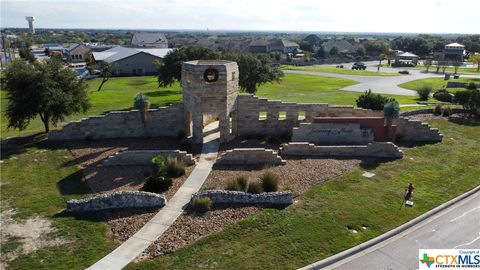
<point x="38" y="182"/>
<point x="437" y="83"/>
<point x="317" y="89"/>
<point x="448" y="70"/>
<point x="330" y="69"/>
<point x="117" y="94"/>
<point x="316" y="226"/>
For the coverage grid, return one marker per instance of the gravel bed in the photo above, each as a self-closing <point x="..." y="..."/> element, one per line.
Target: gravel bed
<point x="298" y="174"/>
<point x="189" y="227"/>
<point x="424" y="117"/>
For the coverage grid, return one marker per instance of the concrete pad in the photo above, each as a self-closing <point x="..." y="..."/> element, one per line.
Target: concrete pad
<point x="151" y="231"/>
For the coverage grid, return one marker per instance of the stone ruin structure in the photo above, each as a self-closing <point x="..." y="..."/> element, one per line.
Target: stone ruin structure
<point x="211" y="92"/>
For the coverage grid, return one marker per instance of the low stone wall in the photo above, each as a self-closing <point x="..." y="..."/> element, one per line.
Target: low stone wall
<point x="250" y="157"/>
<point x="375" y="149"/>
<point x="164" y="121"/>
<point x="144" y="157"/>
<point x="122" y="199"/>
<point x="225" y="196"/>
<point x="416" y="131"/>
<point x="332" y="133"/>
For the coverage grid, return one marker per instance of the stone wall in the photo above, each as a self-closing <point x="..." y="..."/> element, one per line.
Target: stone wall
<point x="375" y="149"/>
<point x="164" y="121"/>
<point x="416" y="131"/>
<point x="427" y="111"/>
<point x="332" y="133"/>
<point x="122" y="199"/>
<point x="283" y="116"/>
<point x="250" y="157"/>
<point x="144" y="157"/>
<point x="225" y="196"/>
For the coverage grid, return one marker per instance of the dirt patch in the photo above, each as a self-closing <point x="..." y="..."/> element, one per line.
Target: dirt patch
<point x="424" y="117"/>
<point x="31" y="234"/>
<point x="189" y="227"/>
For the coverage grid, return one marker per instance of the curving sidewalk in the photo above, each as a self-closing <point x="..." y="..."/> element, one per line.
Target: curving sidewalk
<point x="154" y="228"/>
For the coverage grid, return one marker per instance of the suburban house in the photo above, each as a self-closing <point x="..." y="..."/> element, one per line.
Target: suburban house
<point x="77" y="53"/>
<point x="53" y="49"/>
<point x="284" y="46"/>
<point x="131" y="61"/>
<point x="259" y="46"/>
<point x="343" y="46"/>
<point x="149" y="40"/>
<point x="453" y="52"/>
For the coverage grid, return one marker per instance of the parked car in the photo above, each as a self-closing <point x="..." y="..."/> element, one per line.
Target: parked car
<point x="359" y="66"/>
<point x="405" y="72"/>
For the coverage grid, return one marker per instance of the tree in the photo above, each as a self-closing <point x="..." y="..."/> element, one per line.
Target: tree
<point x="469" y="99"/>
<point x="48" y="90"/>
<point x="427" y="63"/>
<point x="476" y="60"/>
<point x="391" y="111"/>
<point x="26" y="54"/>
<point x="360" y="51"/>
<point x="381" y="57"/>
<point x="254" y="69"/>
<point x="106" y="73"/>
<point x="334" y="51"/>
<point x="376" y="47"/>
<point x="305" y="46"/>
<point x="141" y="103"/>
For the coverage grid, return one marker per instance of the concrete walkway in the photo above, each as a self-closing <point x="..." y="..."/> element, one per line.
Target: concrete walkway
<point x="154" y="228"/>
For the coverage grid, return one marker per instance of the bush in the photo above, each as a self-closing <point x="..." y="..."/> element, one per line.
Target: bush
<point x="186" y="145"/>
<point x="437" y="110"/>
<point x="157" y="183"/>
<point x="238" y="184"/>
<point x="254" y="188"/>
<point x="471" y="86"/>
<point x="269" y="181"/>
<point x="391" y="110"/>
<point x="424" y="92"/>
<point x="443" y="95"/>
<point x="159" y="161"/>
<point x="447" y="112"/>
<point x="174" y="168"/>
<point x="202" y="205"/>
<point x="469" y="99"/>
<point x="232" y="185"/>
<point x="376" y="102"/>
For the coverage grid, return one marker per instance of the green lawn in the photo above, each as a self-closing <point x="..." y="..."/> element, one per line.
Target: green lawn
<point x="117" y="94"/>
<point x="316" y="226"/>
<point x="317" y="89"/>
<point x="38" y="182"/>
<point x="330" y="69"/>
<point x="437" y="83"/>
<point x="448" y="69"/>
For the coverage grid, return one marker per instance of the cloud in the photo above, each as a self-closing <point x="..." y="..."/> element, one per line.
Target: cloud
<point x="437" y="16"/>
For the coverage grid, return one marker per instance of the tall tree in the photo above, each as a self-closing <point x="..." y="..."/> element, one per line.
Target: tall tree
<point x="254" y="69"/>
<point x="48" y="90"/>
<point x="381" y="57"/>
<point x="476" y="60"/>
<point x="105" y="73"/>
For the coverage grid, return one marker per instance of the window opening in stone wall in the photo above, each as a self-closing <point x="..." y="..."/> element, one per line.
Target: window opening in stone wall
<point x="230" y="123"/>
<point x="282" y="116"/>
<point x="233" y="76"/>
<point x="301" y="115"/>
<point x="262" y="116"/>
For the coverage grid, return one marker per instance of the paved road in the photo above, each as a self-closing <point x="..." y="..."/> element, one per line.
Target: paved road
<point x="378" y="84"/>
<point x="455" y="227"/>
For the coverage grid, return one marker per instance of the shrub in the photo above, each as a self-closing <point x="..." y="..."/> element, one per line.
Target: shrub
<point x="186" y="145"/>
<point x="242" y="182"/>
<point x="369" y="100"/>
<point x="232" y="185"/>
<point x="437" y="110"/>
<point x="202" y="205"/>
<point x="443" y="95"/>
<point x="424" y="92"/>
<point x="159" y="161"/>
<point x="391" y="110"/>
<point x="471" y="86"/>
<point x="174" y="168"/>
<point x="254" y="188"/>
<point x="269" y="181"/>
<point x="157" y="183"/>
<point x="447" y="112"/>
<point x="469" y="99"/>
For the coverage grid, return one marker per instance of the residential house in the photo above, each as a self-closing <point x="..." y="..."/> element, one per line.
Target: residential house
<point x="149" y="40"/>
<point x="453" y="52"/>
<point x="284" y="46"/>
<point x="342" y="45"/>
<point x="78" y="53"/>
<point x="132" y="61"/>
<point x="259" y="46"/>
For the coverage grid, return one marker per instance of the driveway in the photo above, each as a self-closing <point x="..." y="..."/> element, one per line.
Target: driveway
<point x="455" y="227"/>
<point x="378" y="84"/>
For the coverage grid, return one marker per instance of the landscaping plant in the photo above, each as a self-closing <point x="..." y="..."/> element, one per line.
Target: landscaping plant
<point x="202" y="205"/>
<point x="424" y="92"/>
<point x="141" y="103"/>
<point x="269" y="181"/>
<point x="369" y="100"/>
<point x="157" y="183"/>
<point x="254" y="188"/>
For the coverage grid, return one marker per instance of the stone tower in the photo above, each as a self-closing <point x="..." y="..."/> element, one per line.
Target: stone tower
<point x="210" y="90"/>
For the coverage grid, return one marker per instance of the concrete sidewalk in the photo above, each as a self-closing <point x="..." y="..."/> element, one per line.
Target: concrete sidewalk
<point x="154" y="228"/>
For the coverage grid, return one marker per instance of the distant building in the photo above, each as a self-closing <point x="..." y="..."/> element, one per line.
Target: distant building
<point x="259" y="46"/>
<point x="314" y="40"/>
<point x="149" y="40"/>
<point x="78" y="53"/>
<point x="453" y="52"/>
<point x="405" y="59"/>
<point x="53" y="48"/>
<point x="30" y="20"/>
<point x="343" y="46"/>
<point x="284" y="46"/>
<point x="131" y="61"/>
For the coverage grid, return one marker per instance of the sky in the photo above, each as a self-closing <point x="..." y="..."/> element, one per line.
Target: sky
<point x="406" y="16"/>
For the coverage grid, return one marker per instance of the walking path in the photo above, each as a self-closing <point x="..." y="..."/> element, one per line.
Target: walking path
<point x="154" y="228"/>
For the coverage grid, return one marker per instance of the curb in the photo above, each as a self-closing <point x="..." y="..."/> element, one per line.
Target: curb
<point x="352" y="251"/>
